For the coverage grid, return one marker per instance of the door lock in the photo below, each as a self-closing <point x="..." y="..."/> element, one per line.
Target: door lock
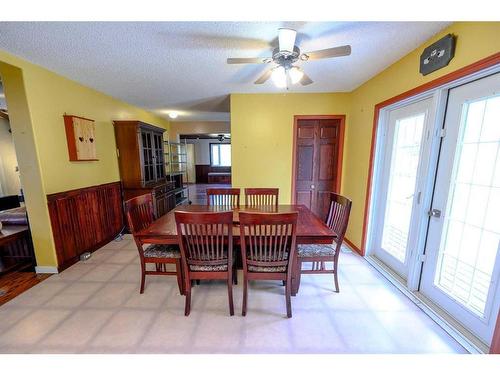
<point x="434" y="213"/>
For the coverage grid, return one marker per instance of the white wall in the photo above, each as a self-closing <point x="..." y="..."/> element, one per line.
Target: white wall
<point x="202" y="150"/>
<point x="9" y="178"/>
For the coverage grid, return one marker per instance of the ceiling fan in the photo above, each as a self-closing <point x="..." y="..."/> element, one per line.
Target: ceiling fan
<point x="285" y="55"/>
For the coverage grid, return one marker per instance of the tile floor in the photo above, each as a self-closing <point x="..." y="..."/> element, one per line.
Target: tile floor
<point x="95" y="307"/>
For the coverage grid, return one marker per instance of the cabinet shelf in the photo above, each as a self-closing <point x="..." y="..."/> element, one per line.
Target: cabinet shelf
<point x="179" y="190"/>
<point x="180" y="200"/>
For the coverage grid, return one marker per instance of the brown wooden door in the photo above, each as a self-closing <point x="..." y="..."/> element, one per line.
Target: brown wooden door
<point x="317" y="162"/>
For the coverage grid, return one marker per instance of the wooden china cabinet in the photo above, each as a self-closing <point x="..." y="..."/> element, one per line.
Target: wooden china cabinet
<point x="142" y="166"/>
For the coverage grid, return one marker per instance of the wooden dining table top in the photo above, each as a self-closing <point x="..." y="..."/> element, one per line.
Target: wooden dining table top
<point x="310" y="228"/>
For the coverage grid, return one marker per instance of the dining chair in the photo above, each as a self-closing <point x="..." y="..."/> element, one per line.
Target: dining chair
<point x="255" y="197"/>
<point x="337" y="220"/>
<point x="227" y="197"/>
<point x="206" y="242"/>
<point x="268" y="249"/>
<point x="139" y="214"/>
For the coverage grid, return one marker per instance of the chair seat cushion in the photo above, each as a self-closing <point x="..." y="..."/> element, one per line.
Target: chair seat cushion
<point x="305" y="251"/>
<point x="267" y="268"/>
<point x="162" y="251"/>
<point x="209" y="268"/>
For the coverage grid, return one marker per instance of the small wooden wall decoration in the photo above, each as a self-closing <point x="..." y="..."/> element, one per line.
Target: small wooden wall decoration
<point x="80" y="134"/>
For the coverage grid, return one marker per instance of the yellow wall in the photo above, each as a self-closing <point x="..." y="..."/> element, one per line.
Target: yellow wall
<point x="475" y="41"/>
<point x="37" y="100"/>
<point x="262" y="135"/>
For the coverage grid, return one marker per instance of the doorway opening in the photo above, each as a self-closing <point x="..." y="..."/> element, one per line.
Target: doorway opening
<point x="207" y="164"/>
<point x="17" y="260"/>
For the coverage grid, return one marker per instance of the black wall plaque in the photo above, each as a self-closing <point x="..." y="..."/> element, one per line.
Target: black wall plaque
<point x="437" y="55"/>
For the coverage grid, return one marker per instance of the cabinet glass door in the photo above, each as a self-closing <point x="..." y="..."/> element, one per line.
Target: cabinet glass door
<point x="158" y="156"/>
<point x="147" y="156"/>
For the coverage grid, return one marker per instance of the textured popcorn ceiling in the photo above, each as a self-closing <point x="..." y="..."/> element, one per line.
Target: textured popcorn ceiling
<point x="163" y="66"/>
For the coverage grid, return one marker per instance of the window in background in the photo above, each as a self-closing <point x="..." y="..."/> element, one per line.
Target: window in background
<point x="220" y="154"/>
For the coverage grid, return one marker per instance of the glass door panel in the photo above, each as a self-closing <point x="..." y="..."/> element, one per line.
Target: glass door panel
<point x="398" y="195"/>
<point x="147" y="149"/>
<point x="463" y="243"/>
<point x="401" y="189"/>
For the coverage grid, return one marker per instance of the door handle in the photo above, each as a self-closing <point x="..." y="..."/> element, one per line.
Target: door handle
<point x="434" y="213"/>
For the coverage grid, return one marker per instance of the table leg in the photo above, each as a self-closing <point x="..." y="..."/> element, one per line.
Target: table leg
<point x="296" y="276"/>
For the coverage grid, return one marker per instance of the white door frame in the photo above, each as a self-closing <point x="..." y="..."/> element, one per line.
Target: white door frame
<point x="439" y="95"/>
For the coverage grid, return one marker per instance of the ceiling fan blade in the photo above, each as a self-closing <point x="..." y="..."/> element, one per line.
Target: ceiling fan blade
<point x="248" y="60"/>
<point x="264" y="77"/>
<point x="329" y="52"/>
<point x="286" y="39"/>
<point x="305" y="80"/>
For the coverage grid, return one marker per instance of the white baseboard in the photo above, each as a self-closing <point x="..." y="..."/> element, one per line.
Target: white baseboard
<point x="46" y="269"/>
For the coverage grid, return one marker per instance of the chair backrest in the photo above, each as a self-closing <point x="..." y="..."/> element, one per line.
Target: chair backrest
<point x="205" y="238"/>
<point x="338" y="217"/>
<point x="139" y="212"/>
<point x="261" y="197"/>
<point x="229" y="197"/>
<point x="268" y="239"/>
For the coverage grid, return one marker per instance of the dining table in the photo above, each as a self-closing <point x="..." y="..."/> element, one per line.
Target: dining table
<point x="310" y="228"/>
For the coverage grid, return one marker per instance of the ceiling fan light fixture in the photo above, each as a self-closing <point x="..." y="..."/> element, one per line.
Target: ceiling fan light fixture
<point x="295" y="74"/>
<point x="279" y="76"/>
<point x="286" y="39"/>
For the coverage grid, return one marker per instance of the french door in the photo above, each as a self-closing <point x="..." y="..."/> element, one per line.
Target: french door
<point x="399" y="194"/>
<point x="462" y="264"/>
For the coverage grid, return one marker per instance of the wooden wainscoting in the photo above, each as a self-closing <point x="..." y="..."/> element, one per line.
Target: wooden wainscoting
<point x="84" y="220"/>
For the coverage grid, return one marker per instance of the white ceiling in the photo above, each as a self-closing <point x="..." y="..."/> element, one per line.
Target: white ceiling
<point x="163" y="66"/>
